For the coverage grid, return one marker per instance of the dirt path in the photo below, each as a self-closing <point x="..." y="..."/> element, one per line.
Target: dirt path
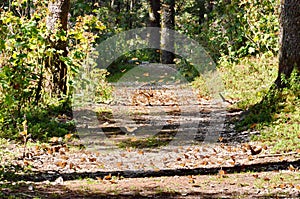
<point x="153" y="128"/>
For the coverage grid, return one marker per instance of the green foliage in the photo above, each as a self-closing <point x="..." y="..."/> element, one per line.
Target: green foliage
<point x="25" y="81"/>
<point x="249" y="80"/>
<point x="240" y="28"/>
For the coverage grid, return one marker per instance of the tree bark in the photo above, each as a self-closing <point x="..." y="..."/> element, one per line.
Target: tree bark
<point x="58" y="15"/>
<point x="289" y="54"/>
<point x="167" y="38"/>
<point x="154" y="21"/>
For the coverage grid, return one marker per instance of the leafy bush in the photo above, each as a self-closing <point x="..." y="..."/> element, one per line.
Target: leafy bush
<point x="25" y="81"/>
<point x="240" y="28"/>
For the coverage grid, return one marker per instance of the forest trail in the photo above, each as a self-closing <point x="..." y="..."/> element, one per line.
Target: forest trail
<point x="154" y="140"/>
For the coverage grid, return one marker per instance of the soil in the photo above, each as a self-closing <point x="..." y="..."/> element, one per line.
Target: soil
<point x="154" y="140"/>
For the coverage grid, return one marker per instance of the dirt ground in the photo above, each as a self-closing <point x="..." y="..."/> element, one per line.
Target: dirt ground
<point x="276" y="184"/>
<point x="151" y="142"/>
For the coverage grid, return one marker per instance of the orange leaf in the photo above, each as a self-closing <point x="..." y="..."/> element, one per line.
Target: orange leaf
<point x="108" y="177"/>
<point x="119" y="164"/>
<point x="141" y="152"/>
<point x="61" y="164"/>
<point x="222" y="172"/>
<point x="68" y="136"/>
<point x="221" y="139"/>
<point x="250" y="157"/>
<point x="204" y="163"/>
<point x="253" y="126"/>
<point x="291" y="168"/>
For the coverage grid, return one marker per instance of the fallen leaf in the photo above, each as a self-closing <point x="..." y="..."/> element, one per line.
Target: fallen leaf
<point x="282" y="186"/>
<point x="182" y="164"/>
<point x="26" y="163"/>
<point x="221" y="139"/>
<point x="141" y="152"/>
<point x="64" y="157"/>
<point x="266" y="179"/>
<point x="255" y="176"/>
<point x="61" y="164"/>
<point x="108" y="177"/>
<point x="37" y="148"/>
<point x="255" y="151"/>
<point x="292" y="168"/>
<point x="156" y="169"/>
<point x="100" y="179"/>
<point x="204" y="163"/>
<point x="68" y="136"/>
<point x="232" y="163"/>
<point x="222" y="172"/>
<point x="250" y="157"/>
<point x="113" y="181"/>
<point x="49" y="151"/>
<point x="119" y="164"/>
<point x="92" y="159"/>
<point x="72" y="165"/>
<point x="123" y="155"/>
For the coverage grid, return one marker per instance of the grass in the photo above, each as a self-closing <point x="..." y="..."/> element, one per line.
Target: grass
<point x="249" y="80"/>
<point x="281" y="129"/>
<point x="275" y="113"/>
<point x="277" y="180"/>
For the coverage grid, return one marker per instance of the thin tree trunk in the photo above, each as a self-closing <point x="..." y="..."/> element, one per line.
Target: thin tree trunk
<point x="58" y="14"/>
<point x="154" y="21"/>
<point x="167" y="38"/>
<point x="289" y="54"/>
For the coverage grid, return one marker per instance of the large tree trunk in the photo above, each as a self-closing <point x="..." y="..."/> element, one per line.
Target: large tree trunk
<point x="167" y="38"/>
<point x="58" y="14"/>
<point x="289" y="54"/>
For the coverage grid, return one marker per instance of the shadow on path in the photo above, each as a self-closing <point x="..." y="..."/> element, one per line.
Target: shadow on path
<point x="53" y="175"/>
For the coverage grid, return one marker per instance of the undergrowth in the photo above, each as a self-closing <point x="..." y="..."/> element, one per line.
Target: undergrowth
<point x="277" y="117"/>
<point x="275" y="113"/>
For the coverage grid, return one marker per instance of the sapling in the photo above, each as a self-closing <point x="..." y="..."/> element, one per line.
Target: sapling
<point x="25" y="135"/>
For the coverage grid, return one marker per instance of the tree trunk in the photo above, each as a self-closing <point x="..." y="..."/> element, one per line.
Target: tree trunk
<point x="167" y="38"/>
<point x="289" y="54"/>
<point x="58" y="14"/>
<point x="205" y="7"/>
<point x="154" y="21"/>
<point x="154" y="16"/>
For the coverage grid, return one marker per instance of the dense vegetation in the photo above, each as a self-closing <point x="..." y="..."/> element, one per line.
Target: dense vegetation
<point x="241" y="36"/>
